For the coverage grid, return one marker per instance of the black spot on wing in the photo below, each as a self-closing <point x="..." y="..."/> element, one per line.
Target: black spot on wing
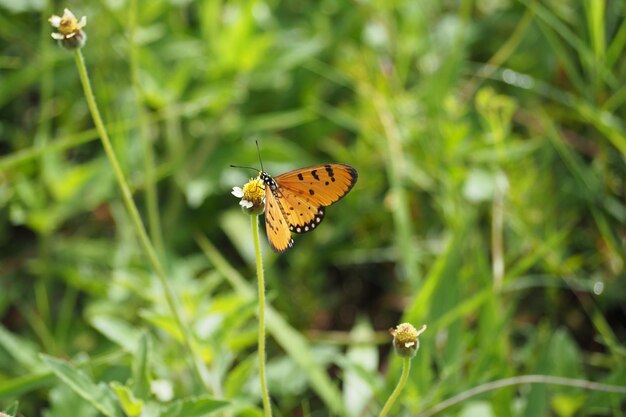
<point x="330" y="172"/>
<point x="314" y="174"/>
<point x="312" y="225"/>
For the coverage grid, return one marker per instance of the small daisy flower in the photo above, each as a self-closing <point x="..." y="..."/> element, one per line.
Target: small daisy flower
<point x="405" y="339"/>
<point x="69" y="30"/>
<point x="252" y="196"/>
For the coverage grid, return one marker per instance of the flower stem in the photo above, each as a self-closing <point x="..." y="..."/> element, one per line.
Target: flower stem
<point x="406" y="367"/>
<point x="267" y="406"/>
<point x="140" y="229"/>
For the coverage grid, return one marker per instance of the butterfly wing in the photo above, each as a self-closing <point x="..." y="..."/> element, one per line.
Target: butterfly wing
<point x="301" y="214"/>
<point x="276" y="225"/>
<point x="303" y="193"/>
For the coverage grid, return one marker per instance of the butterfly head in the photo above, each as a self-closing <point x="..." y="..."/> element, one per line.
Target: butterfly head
<point x="268" y="180"/>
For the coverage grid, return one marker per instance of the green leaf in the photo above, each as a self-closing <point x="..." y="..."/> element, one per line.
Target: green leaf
<point x="117" y="331"/>
<point x="141" y="367"/>
<point x="100" y="396"/>
<point x="162" y="321"/>
<point x="284" y="378"/>
<point x="12" y="388"/>
<point x="239" y="376"/>
<point x="63" y="401"/>
<point x="130" y="404"/>
<point x="22" y="351"/>
<point x="193" y="407"/>
<point x="12" y="409"/>
<point x="567" y="405"/>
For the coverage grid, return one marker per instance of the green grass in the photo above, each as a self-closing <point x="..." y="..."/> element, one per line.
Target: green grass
<point x="490" y="143"/>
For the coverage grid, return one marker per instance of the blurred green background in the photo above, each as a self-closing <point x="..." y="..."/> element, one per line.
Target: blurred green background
<point x="491" y="148"/>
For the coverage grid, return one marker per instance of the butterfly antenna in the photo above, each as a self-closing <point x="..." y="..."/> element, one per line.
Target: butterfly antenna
<point x="258" y="149"/>
<point x="239" y="166"/>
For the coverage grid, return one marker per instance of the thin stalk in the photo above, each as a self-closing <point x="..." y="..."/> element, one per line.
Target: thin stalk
<point x="406" y="368"/>
<point x="140" y="229"/>
<point x="520" y="380"/>
<point x="267" y="405"/>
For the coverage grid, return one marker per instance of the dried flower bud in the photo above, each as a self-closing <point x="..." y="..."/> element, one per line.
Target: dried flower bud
<point x="252" y="196"/>
<point x="405" y="339"/>
<point x="69" y="30"/>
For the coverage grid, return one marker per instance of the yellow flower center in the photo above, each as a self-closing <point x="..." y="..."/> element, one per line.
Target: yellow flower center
<point x="405" y="334"/>
<point x="254" y="191"/>
<point x="405" y="339"/>
<point x="68" y="25"/>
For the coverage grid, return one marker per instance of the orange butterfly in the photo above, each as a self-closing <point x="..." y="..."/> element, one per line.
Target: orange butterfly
<point x="295" y="200"/>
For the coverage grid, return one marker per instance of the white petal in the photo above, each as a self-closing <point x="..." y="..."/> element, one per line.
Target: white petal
<point x="409" y="344"/>
<point x="246" y="204"/>
<point x="55" y="21"/>
<point x="237" y="192"/>
<point x="68" y="13"/>
<point x="83" y="22"/>
<point x="57" y="36"/>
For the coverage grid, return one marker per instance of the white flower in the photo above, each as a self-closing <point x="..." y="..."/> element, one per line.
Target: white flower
<point x="252" y="196"/>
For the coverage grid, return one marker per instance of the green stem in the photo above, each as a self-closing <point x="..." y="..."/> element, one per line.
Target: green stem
<point x="140" y="229"/>
<point x="406" y="367"/>
<point x="267" y="406"/>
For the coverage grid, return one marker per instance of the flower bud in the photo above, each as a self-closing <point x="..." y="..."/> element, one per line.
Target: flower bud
<point x="405" y="339"/>
<point x="69" y="30"/>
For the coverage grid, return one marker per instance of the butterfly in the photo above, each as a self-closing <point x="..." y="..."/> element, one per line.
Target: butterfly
<point x="296" y="200"/>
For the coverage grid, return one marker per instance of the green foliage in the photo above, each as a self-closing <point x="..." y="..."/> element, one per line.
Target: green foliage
<point x="490" y="142"/>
